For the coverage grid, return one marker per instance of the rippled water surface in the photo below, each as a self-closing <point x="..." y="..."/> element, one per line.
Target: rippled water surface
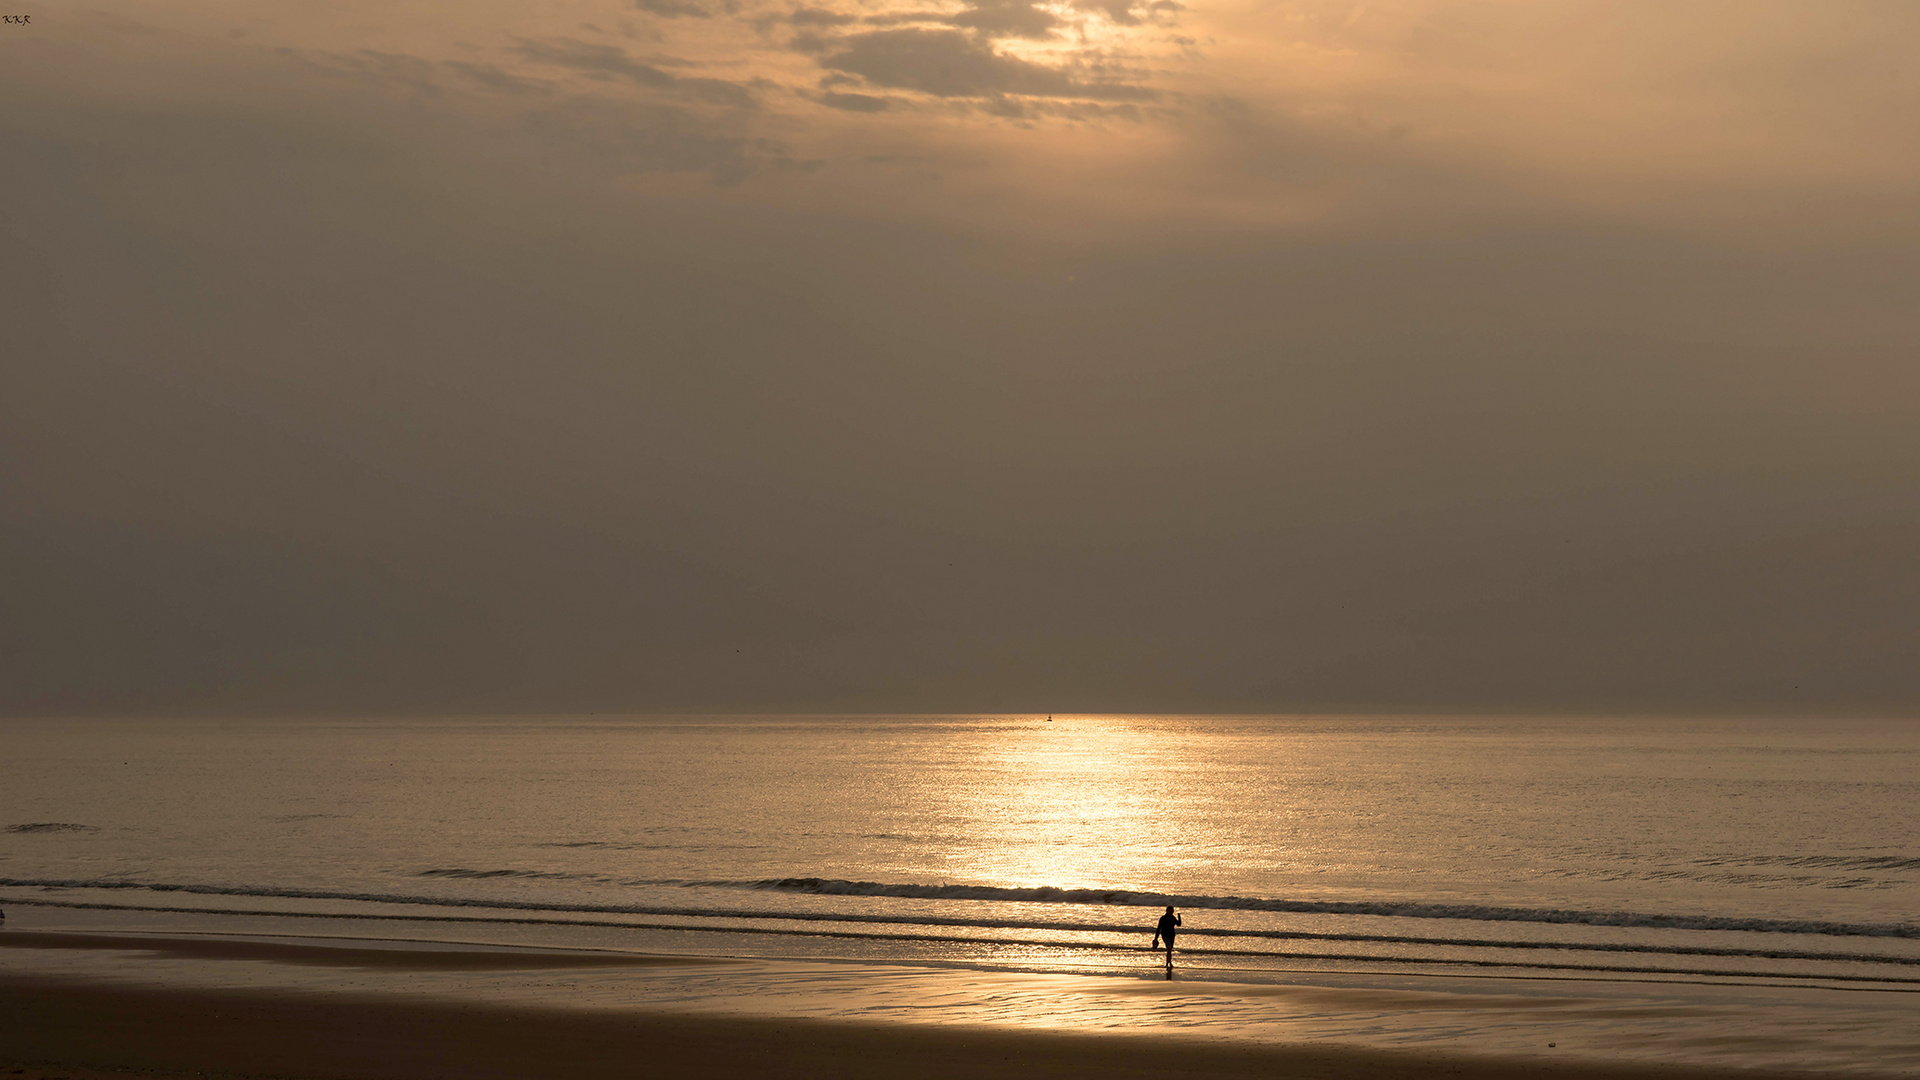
<point x="1641" y="848"/>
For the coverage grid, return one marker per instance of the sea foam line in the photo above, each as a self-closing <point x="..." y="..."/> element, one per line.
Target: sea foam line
<point x="1054" y="946"/>
<point x="1401" y="909"/>
<point x="916" y="919"/>
<point x="1044" y="894"/>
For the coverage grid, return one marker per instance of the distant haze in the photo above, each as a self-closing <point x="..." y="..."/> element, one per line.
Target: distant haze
<point x="602" y="355"/>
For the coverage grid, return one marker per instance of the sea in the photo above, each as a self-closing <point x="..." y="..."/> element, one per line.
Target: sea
<point x="1779" y="856"/>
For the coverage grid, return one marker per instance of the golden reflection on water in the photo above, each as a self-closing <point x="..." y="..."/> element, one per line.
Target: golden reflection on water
<point x="1076" y="802"/>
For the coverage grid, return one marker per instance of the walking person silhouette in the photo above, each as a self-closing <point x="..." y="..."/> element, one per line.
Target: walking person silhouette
<point x="1169" y="925"/>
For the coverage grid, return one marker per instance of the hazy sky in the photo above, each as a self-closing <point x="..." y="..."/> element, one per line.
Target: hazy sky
<point x="724" y="354"/>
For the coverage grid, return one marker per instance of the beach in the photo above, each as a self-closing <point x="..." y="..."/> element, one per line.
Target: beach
<point x="85" y="1004"/>
<point x="814" y="896"/>
<point x="81" y="1029"/>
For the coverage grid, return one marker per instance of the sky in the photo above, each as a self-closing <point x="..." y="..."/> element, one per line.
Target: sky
<point x="449" y="356"/>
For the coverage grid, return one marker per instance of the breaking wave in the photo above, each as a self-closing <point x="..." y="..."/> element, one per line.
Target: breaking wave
<point x="1401" y="909"/>
<point x="461" y="873"/>
<point x="1021" y="930"/>
<point x="1039" y="895"/>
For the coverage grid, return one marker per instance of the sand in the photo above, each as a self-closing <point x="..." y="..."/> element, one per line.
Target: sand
<point x="85" y="1029"/>
<point x="50" y="1028"/>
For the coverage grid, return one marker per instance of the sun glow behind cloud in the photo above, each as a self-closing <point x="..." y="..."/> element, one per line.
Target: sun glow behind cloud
<point x="1246" y="113"/>
<point x="1316" y="331"/>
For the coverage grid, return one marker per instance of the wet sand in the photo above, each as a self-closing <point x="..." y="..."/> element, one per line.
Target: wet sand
<point x="50" y="1028"/>
<point x="94" y="1030"/>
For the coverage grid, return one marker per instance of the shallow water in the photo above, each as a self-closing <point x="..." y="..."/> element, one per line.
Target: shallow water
<point x="1628" y="849"/>
<point x="1718" y="1023"/>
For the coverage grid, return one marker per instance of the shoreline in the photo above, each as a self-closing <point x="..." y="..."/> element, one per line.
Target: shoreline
<point x="104" y="1005"/>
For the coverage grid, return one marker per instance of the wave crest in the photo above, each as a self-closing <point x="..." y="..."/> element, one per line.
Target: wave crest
<point x="1402" y="909"/>
<point x="1043" y="894"/>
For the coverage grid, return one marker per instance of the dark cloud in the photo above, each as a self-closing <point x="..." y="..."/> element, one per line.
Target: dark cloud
<point x="989" y="18"/>
<point x="855" y="102"/>
<point x="950" y="63"/>
<point x="1132" y="12"/>
<point x="609" y="61"/>
<point x="677" y="9"/>
<point x="1006" y="18"/>
<point x="811" y="43"/>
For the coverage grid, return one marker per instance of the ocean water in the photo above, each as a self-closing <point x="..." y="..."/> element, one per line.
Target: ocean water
<point x="1766" y="853"/>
